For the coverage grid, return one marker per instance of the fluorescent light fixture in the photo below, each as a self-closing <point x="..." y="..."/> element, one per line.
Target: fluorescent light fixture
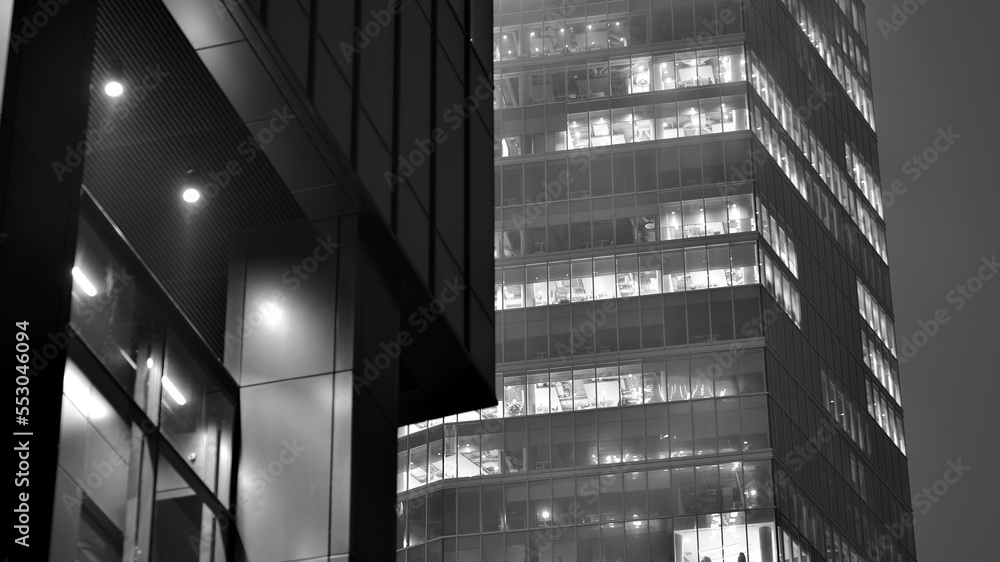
<point x="127" y="358"/>
<point x="172" y="390"/>
<point x="83" y="282"/>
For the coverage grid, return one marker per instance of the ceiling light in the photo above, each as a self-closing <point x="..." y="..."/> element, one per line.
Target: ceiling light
<point x="84" y="283"/>
<point x="172" y="390"/>
<point x="191" y="193"/>
<point x="114" y="87"/>
<point x="127" y="358"/>
<point x="149" y="362"/>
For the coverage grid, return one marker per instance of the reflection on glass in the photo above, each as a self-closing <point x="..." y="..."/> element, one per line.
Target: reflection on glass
<point x="184" y="528"/>
<point x="114" y="319"/>
<point x="584" y="389"/>
<point x="196" y="416"/>
<point x="608" y="393"/>
<point x="100" y="470"/>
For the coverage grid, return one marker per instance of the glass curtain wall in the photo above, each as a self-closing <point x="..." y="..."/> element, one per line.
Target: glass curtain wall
<point x="147" y="426"/>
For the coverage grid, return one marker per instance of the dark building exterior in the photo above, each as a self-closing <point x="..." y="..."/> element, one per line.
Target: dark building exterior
<point x="694" y="342"/>
<point x="246" y="250"/>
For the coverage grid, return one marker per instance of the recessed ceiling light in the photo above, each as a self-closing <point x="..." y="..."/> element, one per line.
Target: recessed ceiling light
<point x="114" y="87"/>
<point x="191" y="193"/>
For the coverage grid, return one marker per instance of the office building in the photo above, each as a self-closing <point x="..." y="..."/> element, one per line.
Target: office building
<point x="695" y="350"/>
<point x="241" y="247"/>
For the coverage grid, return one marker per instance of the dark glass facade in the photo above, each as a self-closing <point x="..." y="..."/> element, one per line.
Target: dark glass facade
<point x="695" y="351"/>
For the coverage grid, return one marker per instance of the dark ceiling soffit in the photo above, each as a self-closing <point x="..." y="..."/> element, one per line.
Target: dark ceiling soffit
<point x="250" y="71"/>
<point x="224" y="41"/>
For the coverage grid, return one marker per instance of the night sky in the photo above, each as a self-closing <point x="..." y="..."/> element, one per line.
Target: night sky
<point x="940" y="69"/>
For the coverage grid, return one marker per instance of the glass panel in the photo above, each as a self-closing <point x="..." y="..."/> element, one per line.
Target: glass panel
<point x="578" y="130"/>
<point x="468" y="510"/>
<point x="705" y="432"/>
<point x="196" y="417"/>
<point x="649" y="273"/>
<point x="514" y="396"/>
<point x="114" y="319"/>
<point x="658" y="438"/>
<point x="561" y="391"/>
<point x="103" y="470"/>
<point x="633" y="436"/>
<point x="670" y="221"/>
<point x="513" y="288"/>
<point x="516" y="497"/>
<point x="702" y="385"/>
<point x="683" y="490"/>
<point x="728" y="420"/>
<point x="663" y="73"/>
<point x="184" y="528"/>
<point x="694" y="218"/>
<point x="674" y="277"/>
<point x="654" y="382"/>
<point x="631" y="385"/>
<point x="559" y="283"/>
<point x="536" y="293"/>
<point x="622" y="129"/>
<point x="628" y="276"/>
<point x="660" y="499"/>
<point x="492" y="508"/>
<point x="719" y="271"/>
<point x="600" y="128"/>
<point x="604" y="278"/>
<point x="680" y="426"/>
<point x="582" y="280"/>
<point x="696" y="266"/>
<point x="539" y="503"/>
<point x="608" y="394"/>
<point x="734" y="114"/>
<point x="711" y="117"/>
<point x="600" y="85"/>
<point x="585" y="431"/>
<point x="584" y="389"/>
<point x="643" y="120"/>
<point x="666" y="121"/>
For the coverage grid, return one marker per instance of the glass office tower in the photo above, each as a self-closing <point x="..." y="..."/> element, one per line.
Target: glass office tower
<point x="695" y="350"/>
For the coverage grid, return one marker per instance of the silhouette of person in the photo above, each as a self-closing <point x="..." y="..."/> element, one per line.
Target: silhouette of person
<point x="742" y="558"/>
